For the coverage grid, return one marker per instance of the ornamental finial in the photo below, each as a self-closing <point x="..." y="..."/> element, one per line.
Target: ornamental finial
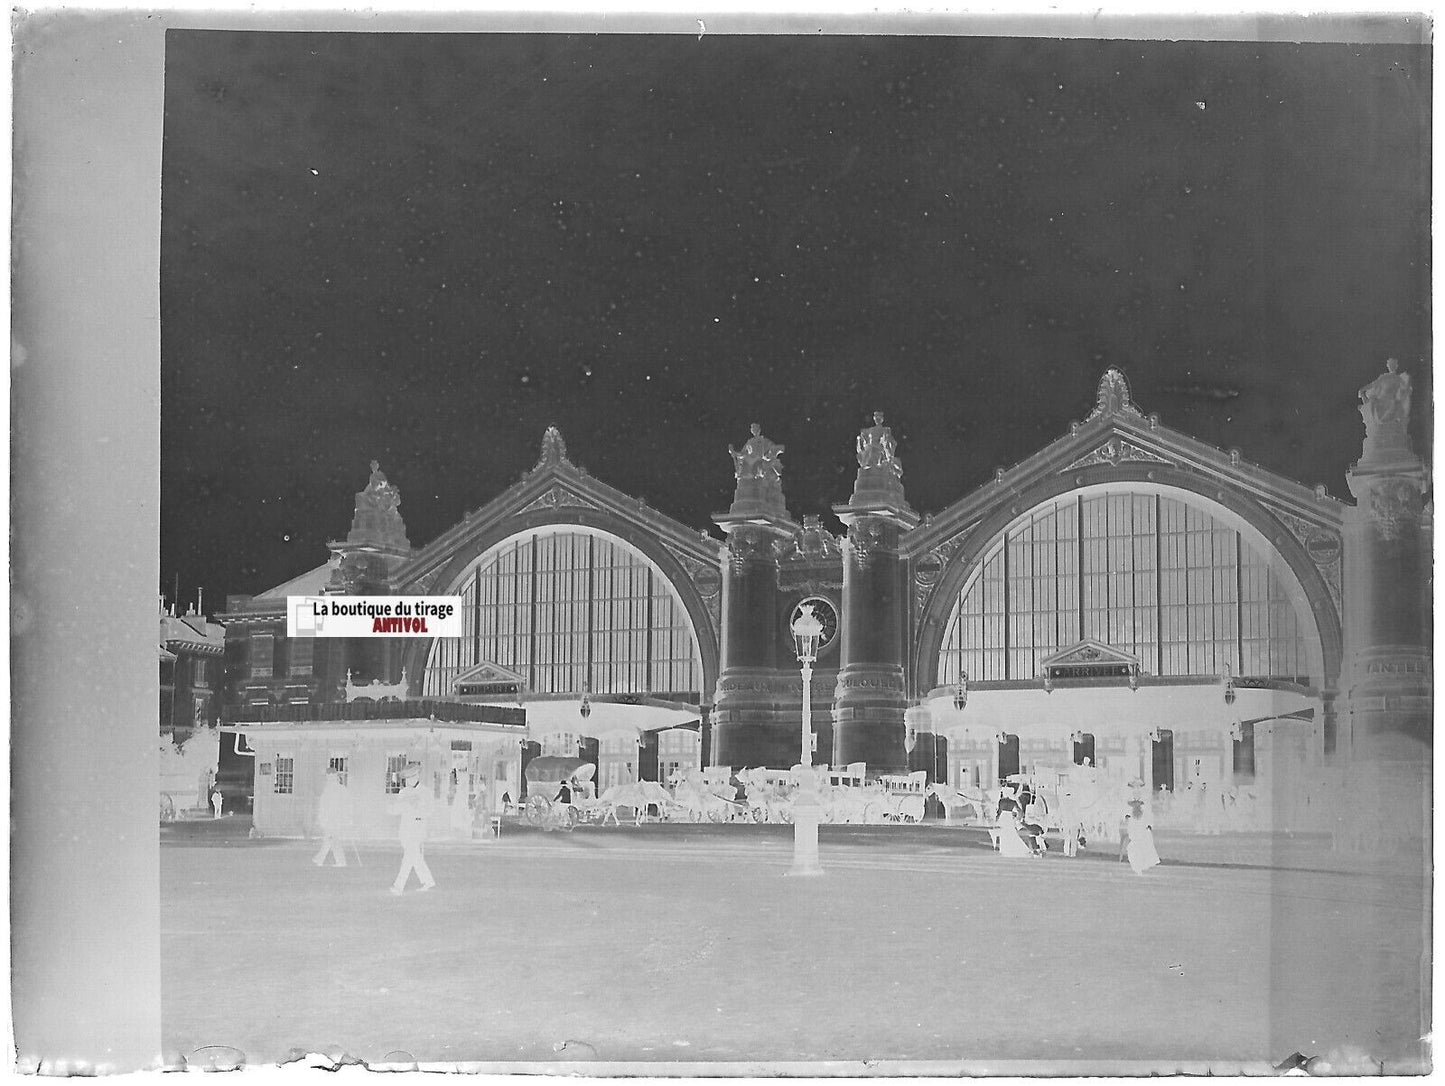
<point x="554" y="449"/>
<point x="1113" y="398"/>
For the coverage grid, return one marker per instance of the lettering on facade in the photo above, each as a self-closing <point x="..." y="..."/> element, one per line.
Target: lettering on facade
<point x="1396" y="667"/>
<point x="753" y="686"/>
<point x="860" y="682"/>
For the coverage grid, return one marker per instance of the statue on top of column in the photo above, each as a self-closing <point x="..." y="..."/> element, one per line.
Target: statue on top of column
<point x="759" y="458"/>
<point x="758" y="466"/>
<point x="1387" y="397"/>
<point x="1385" y="407"/>
<point x="377" y="518"/>
<point x="876" y="447"/>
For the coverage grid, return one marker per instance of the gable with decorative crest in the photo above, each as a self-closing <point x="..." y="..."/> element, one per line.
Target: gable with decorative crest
<point x="488" y="680"/>
<point x="1116" y="451"/>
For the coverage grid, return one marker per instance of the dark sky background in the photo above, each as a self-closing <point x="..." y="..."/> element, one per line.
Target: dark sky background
<point x="427" y="248"/>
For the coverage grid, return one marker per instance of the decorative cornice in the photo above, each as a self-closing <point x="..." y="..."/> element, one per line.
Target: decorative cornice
<point x="1323" y="545"/>
<point x="1394" y="505"/>
<point x="752" y="548"/>
<point x="928" y="570"/>
<point x="706" y="579"/>
<point x="865" y="541"/>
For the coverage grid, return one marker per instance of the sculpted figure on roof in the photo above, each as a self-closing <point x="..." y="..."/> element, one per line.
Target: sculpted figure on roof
<point x="876" y="447"/>
<point x="1387" y="397"/>
<point x="759" y="458"/>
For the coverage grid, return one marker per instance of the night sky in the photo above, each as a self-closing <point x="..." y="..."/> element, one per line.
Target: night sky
<point x="425" y="249"/>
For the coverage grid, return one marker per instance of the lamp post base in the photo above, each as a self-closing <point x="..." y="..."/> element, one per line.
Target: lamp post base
<point x="805" y="839"/>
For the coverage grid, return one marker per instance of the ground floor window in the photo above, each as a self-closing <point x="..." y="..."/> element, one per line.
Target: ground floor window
<point x="340" y="765"/>
<point x="395" y="767"/>
<point x="284" y="780"/>
<point x="1008" y="757"/>
<point x="1244" y="753"/>
<point x="1163" y="762"/>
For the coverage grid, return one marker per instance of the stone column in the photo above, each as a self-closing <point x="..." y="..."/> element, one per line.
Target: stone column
<point x="870" y="699"/>
<point x="751" y="723"/>
<point x="1386" y="687"/>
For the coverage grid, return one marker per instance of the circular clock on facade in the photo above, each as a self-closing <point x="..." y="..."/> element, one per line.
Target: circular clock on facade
<point x="825" y="612"/>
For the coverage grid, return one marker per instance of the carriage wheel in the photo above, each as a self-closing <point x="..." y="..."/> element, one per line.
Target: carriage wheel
<point x="536" y="811"/>
<point x="874" y="814"/>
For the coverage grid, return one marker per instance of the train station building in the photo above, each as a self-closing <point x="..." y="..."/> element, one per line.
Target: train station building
<point x="1127" y="595"/>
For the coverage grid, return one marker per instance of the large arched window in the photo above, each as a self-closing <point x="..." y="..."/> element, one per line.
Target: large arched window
<point x="1182" y="589"/>
<point x="571" y="610"/>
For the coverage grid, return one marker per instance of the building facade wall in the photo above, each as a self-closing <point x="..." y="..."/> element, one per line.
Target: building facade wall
<point x="1198" y="566"/>
<point x="490" y="769"/>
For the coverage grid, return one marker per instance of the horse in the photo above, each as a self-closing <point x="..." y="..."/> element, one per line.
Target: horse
<point x="766" y="800"/>
<point x="639" y="796"/>
<point x="952" y="798"/>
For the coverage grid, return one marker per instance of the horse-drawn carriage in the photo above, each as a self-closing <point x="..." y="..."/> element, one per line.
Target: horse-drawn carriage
<point x="560" y="793"/>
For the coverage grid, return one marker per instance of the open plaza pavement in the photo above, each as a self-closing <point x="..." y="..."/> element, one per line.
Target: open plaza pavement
<point x="918" y="950"/>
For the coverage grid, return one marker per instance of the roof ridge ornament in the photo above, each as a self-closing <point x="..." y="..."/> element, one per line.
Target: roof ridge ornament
<point x="1113" y="398"/>
<point x="554" y="449"/>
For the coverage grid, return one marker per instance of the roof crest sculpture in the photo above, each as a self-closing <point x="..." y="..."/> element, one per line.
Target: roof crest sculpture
<point x="377" y="517"/>
<point x="1113" y="397"/>
<point x="554" y="449"/>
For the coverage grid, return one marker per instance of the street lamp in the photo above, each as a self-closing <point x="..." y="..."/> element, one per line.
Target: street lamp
<point x="807" y="632"/>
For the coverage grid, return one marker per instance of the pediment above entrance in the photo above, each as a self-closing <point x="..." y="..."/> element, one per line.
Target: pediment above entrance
<point x="488" y="679"/>
<point x="1116" y="450"/>
<point x="559" y="497"/>
<point x="1089" y="659"/>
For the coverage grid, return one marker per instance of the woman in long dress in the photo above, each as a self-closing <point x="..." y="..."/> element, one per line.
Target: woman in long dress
<point x="1141" y="851"/>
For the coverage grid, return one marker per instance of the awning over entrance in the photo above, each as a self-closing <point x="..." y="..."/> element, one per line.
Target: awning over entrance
<point x="606" y="719"/>
<point x="1028" y="710"/>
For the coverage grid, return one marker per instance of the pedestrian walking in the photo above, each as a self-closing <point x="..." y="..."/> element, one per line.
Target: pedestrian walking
<point x="216" y="800"/>
<point x="333" y="817"/>
<point x="414" y="806"/>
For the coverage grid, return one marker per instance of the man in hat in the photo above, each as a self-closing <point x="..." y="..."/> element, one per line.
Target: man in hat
<point x="333" y="817"/>
<point x="413" y="804"/>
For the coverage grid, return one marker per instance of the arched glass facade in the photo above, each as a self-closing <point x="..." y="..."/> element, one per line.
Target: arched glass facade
<point x="571" y="610"/>
<point x="1149" y="574"/>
